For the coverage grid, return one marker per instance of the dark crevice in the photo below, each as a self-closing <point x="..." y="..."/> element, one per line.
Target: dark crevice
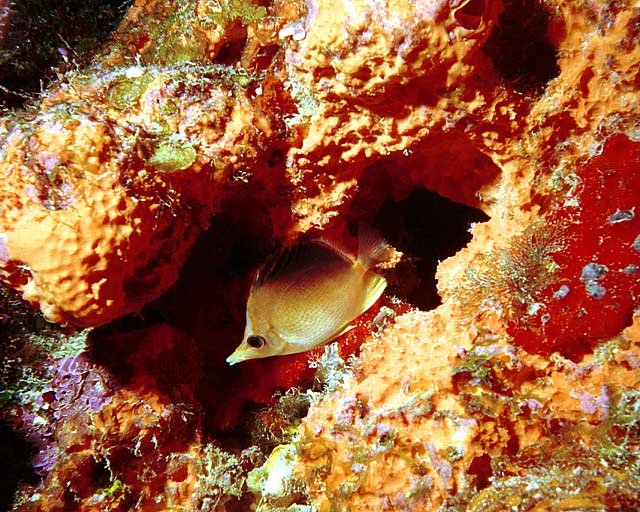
<point x="275" y="159"/>
<point x="427" y="228"/>
<point x="204" y="310"/>
<point x="423" y="202"/>
<point x="470" y="15"/>
<point x="264" y="58"/>
<point x="206" y="306"/>
<point x="39" y="38"/>
<point x="519" y="46"/>
<point x="231" y="52"/>
<point x="480" y="467"/>
<point x="15" y="465"/>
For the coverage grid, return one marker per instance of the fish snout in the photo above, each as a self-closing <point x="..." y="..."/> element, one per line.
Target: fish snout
<point x="238" y="356"/>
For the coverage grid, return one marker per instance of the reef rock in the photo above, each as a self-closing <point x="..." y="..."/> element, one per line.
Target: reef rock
<point x="209" y="131"/>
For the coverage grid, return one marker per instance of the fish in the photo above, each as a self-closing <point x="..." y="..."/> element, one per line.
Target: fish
<point x="307" y="295"/>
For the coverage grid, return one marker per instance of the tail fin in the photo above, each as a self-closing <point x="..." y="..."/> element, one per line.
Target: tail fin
<point x="373" y="249"/>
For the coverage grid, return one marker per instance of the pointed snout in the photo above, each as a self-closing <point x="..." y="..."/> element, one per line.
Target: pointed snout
<point x="237" y="357"/>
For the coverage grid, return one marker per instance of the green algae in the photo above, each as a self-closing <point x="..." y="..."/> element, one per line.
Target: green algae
<point x="221" y="475"/>
<point x="275" y="428"/>
<point x="561" y="486"/>
<point x="617" y="437"/>
<point x="180" y="37"/>
<point x="177" y="48"/>
<point x="221" y="470"/>
<point x="245" y="11"/>
<point x="126" y="91"/>
<point x="175" y="35"/>
<point x="331" y="369"/>
<point x="474" y="364"/>
<point x="115" y="491"/>
<point x="606" y="351"/>
<point x="304" y="99"/>
<point x="274" y="482"/>
<point x="172" y="154"/>
<point x="510" y="278"/>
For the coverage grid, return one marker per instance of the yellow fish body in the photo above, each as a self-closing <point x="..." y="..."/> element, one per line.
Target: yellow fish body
<point x="306" y="296"/>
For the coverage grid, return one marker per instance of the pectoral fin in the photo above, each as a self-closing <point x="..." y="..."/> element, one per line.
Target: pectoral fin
<point x="376" y="284"/>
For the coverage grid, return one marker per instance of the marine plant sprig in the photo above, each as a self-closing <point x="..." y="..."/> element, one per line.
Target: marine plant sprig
<point x="510" y="279"/>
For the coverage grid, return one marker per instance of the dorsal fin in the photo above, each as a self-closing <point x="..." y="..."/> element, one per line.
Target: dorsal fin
<point x="335" y="247"/>
<point x="373" y="249"/>
<point x="275" y="262"/>
<point x="297" y="258"/>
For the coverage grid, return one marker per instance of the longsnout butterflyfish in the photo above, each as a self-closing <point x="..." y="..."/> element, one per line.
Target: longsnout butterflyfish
<point x="307" y="295"/>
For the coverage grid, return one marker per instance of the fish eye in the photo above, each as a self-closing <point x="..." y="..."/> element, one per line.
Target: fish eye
<point x="256" y="341"/>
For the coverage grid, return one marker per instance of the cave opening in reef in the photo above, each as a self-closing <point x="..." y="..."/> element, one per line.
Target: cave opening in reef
<point x="205" y="309"/>
<point x="521" y="45"/>
<point x="427" y="228"/>
<point x="424" y="202"/>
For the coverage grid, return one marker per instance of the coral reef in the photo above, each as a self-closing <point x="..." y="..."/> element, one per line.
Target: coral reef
<point x="597" y="274"/>
<point x="143" y="186"/>
<point x="108" y="162"/>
